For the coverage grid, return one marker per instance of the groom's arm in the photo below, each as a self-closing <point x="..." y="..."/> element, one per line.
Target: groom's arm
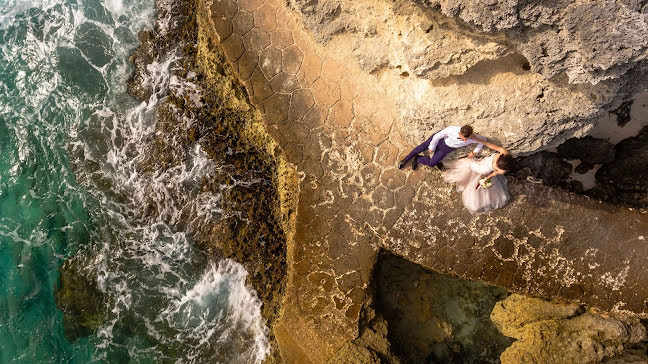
<point x="435" y="139"/>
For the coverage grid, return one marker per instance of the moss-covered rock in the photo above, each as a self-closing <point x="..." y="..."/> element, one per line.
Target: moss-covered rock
<point x="435" y="317"/>
<point x="80" y="299"/>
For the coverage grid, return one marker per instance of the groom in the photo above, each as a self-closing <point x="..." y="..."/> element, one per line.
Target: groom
<point x="442" y="143"/>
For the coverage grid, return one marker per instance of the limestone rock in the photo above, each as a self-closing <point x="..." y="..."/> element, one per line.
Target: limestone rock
<point x="563" y="35"/>
<point x="637" y="354"/>
<point x="371" y="347"/>
<point x="345" y="129"/>
<point x="437" y="318"/>
<point x="559" y="333"/>
<point x="530" y="74"/>
<point x="512" y="314"/>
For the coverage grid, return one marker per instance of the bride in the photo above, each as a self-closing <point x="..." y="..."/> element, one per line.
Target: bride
<point x="482" y="182"/>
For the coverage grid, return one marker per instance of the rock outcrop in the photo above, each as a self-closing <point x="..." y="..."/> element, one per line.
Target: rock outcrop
<point x="531" y="73"/>
<point x="589" y="41"/>
<point x="625" y="179"/>
<point x="372" y="346"/>
<point x="614" y="173"/>
<point x="637" y="354"/>
<point x="562" y="333"/>
<point x="344" y="129"/>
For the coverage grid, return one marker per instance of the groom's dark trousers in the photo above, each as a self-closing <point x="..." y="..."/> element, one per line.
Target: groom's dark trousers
<point x="439" y="153"/>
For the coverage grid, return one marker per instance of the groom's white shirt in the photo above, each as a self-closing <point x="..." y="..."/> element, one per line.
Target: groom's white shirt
<point x="450" y="136"/>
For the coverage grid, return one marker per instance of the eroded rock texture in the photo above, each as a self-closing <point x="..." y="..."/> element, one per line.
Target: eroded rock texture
<point x="80" y="298"/>
<point x="532" y="73"/>
<point x="344" y="122"/>
<point x="562" y="333"/>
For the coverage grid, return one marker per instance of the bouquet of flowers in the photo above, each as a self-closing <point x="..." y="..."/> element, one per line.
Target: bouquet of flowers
<point x="485" y="183"/>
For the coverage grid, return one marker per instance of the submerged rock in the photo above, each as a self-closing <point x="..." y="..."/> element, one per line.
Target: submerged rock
<point x="548" y="332"/>
<point x="80" y="299"/>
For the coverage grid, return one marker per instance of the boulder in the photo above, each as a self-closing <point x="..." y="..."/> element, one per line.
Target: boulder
<point x="625" y="180"/>
<point x="548" y="166"/>
<point x="588" y="149"/>
<point x="562" y="333"/>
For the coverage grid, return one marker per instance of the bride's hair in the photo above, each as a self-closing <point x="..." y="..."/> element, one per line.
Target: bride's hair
<point x="505" y="161"/>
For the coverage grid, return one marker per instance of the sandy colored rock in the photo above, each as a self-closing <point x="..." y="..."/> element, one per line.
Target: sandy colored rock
<point x="353" y="203"/>
<point x="561" y="333"/>
<point x="533" y="74"/>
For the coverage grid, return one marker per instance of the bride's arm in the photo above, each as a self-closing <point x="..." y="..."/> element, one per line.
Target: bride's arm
<point x="493" y="174"/>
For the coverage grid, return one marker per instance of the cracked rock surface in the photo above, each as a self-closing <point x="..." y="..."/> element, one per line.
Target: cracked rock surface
<point x="344" y="130"/>
<point x="531" y="73"/>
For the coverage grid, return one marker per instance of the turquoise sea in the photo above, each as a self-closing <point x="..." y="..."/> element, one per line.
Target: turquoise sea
<point x="71" y="140"/>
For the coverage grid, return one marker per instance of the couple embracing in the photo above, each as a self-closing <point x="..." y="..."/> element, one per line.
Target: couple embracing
<point x="481" y="181"/>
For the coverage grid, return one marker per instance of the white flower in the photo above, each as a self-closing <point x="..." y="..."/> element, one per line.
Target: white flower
<point x="485" y="182"/>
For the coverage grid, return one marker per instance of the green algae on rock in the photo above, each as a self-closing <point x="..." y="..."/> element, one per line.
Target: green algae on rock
<point x="257" y="185"/>
<point x="80" y="299"/>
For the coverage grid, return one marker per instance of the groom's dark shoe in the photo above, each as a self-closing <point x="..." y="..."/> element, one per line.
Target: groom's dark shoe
<point x="440" y="166"/>
<point x="416" y="163"/>
<point x="402" y="164"/>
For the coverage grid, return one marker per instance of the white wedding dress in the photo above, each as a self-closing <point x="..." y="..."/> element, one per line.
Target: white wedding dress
<point x="466" y="173"/>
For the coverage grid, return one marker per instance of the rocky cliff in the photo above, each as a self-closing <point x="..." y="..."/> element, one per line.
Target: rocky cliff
<point x="347" y="88"/>
<point x="531" y="73"/>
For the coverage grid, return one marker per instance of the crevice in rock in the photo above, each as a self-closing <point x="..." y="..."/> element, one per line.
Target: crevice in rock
<point x="483" y="71"/>
<point x="432" y="317"/>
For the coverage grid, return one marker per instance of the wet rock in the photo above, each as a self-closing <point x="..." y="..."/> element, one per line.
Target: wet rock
<point x="623" y="113"/>
<point x="79" y="297"/>
<point x="588" y="149"/>
<point x="561" y="333"/>
<point x="547" y="166"/>
<point x="625" y="180"/>
<point x="583" y="167"/>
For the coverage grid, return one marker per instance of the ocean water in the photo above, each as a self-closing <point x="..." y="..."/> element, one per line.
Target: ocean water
<point x="72" y="186"/>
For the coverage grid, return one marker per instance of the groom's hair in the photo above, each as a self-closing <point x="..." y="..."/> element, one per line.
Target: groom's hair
<point x="505" y="162"/>
<point x="466" y="131"/>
